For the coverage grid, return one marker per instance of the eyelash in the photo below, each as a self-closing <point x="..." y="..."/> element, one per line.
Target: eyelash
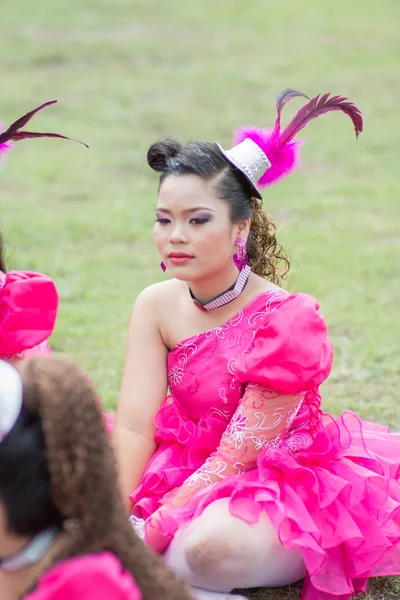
<point x="192" y="221"/>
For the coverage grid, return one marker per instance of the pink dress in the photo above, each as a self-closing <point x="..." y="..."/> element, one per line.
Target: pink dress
<point x="91" y="577"/>
<point x="28" y="311"/>
<point x="330" y="486"/>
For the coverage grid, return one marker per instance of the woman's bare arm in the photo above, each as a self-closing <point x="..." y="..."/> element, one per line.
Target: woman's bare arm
<point x="144" y="385"/>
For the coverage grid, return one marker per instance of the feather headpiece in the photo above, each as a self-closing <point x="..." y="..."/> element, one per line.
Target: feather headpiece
<point x="279" y="151"/>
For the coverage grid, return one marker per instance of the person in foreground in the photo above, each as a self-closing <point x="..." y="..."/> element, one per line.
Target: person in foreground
<point x="63" y="528"/>
<point x="28" y="300"/>
<point x="237" y="476"/>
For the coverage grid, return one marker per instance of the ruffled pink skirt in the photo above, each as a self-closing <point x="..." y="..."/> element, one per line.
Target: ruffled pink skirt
<point x="338" y="500"/>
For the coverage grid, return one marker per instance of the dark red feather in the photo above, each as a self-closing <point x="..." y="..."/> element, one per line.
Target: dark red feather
<point x="13" y="133"/>
<point x="22" y="135"/>
<point x="283" y="98"/>
<point x="286" y="95"/>
<point x="315" y="108"/>
<point x="26" y="118"/>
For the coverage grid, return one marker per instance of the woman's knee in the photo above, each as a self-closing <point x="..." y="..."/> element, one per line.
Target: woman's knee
<point x="214" y="547"/>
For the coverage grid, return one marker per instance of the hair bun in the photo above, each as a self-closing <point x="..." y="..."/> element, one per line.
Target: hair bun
<point x="161" y="152"/>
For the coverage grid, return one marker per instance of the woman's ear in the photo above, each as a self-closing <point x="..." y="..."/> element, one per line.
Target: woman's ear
<point x="244" y="228"/>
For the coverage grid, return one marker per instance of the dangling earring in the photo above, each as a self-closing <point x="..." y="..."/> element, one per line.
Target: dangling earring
<point x="164" y="268"/>
<point x="240" y="256"/>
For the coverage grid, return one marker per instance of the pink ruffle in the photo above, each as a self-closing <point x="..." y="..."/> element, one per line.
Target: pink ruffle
<point x="91" y="577"/>
<point x="184" y="447"/>
<point x="338" y="501"/>
<point x="28" y="311"/>
<point x="291" y="352"/>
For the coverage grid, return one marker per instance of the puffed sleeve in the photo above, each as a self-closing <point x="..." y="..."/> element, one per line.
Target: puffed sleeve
<point x="291" y="351"/>
<point x="91" y="577"/>
<point x="28" y="310"/>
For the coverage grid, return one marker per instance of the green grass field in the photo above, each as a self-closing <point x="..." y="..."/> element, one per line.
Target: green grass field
<point x="128" y="72"/>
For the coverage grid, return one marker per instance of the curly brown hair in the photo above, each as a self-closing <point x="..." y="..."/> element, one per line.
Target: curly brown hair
<point x="83" y="475"/>
<point x="267" y="258"/>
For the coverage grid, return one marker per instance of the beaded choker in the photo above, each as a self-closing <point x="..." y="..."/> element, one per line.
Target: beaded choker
<point x="226" y="296"/>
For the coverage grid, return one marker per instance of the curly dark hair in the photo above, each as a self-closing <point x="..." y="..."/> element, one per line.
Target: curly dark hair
<point x="266" y="257"/>
<point x="59" y="457"/>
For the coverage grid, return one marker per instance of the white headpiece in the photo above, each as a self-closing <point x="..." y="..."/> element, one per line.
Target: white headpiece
<point x="11" y="393"/>
<point x="250" y="160"/>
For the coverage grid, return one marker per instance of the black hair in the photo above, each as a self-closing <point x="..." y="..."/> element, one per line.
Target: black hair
<point x="25" y="480"/>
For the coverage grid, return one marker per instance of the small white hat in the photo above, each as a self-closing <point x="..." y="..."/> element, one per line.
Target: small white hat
<point x="250" y="160"/>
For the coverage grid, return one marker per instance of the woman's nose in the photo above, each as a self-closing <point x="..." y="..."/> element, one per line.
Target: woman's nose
<point x="178" y="234"/>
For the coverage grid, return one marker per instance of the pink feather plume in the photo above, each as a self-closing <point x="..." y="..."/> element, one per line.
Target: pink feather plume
<point x="279" y="146"/>
<point x="283" y="160"/>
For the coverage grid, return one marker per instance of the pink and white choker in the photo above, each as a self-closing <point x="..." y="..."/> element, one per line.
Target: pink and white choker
<point x="228" y="295"/>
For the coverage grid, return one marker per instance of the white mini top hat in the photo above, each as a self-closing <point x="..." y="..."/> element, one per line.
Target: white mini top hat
<point x="250" y="160"/>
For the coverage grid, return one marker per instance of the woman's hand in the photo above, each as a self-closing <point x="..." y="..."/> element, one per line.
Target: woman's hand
<point x="152" y="534"/>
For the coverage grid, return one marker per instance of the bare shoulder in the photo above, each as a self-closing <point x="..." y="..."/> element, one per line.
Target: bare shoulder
<point x="160" y="292"/>
<point x="158" y="297"/>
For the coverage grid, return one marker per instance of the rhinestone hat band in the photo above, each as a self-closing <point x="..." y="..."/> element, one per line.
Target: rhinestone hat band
<point x="250" y="160"/>
<point x="226" y="297"/>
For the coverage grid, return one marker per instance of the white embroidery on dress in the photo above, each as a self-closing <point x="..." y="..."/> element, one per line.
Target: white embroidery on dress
<point x="231" y="365"/>
<point x="240" y="433"/>
<point x="296" y="441"/>
<point x="272" y="297"/>
<point x="218" y="331"/>
<point x="188" y="350"/>
<point x="176" y="375"/>
<point x="236" y="320"/>
<point x="224" y="410"/>
<point x="211" y="474"/>
<point x="239" y="430"/>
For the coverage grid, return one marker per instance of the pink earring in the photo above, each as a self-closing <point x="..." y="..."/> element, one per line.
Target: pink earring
<point x="240" y="256"/>
<point x="164" y="268"/>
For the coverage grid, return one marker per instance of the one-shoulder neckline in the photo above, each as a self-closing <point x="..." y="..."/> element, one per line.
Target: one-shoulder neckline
<point x="187" y="340"/>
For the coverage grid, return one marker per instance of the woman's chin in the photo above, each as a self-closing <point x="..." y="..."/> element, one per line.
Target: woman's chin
<point x="182" y="273"/>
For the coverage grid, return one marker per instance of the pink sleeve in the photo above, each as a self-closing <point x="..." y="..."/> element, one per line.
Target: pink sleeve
<point x="28" y="310"/>
<point x="92" y="577"/>
<point x="260" y="421"/>
<point x="291" y="351"/>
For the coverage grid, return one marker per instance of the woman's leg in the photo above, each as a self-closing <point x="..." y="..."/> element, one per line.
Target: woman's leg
<point x="220" y="552"/>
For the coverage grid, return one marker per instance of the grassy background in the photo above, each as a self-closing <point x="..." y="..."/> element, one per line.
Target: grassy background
<point x="131" y="71"/>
